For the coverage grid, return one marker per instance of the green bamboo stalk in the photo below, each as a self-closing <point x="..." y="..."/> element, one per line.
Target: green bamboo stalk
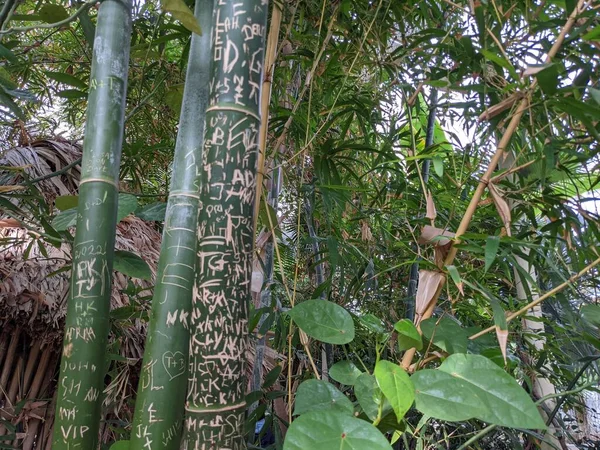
<point x="216" y="405"/>
<point x="83" y="363"/>
<point x="159" y="409"/>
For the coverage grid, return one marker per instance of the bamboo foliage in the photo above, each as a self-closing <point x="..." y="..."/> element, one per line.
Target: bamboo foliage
<point x="162" y="388"/>
<point x="82" y="368"/>
<point x="216" y="391"/>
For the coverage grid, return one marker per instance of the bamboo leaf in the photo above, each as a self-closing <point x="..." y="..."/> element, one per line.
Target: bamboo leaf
<point x="453" y="271"/>
<point x="591" y="313"/>
<point x="396" y="385"/>
<point x="324" y="320"/>
<point x="72" y="94"/>
<point x="66" y="78"/>
<point x="492" y="244"/>
<point x="132" y="265"/>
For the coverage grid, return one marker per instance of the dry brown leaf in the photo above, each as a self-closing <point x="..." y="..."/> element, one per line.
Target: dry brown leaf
<point x="365" y="230"/>
<point x="498" y="108"/>
<point x="502" y="336"/>
<point x="532" y="70"/>
<point x="11" y="188"/>
<point x="501" y="206"/>
<point x="10" y="223"/>
<point x="429" y="282"/>
<point x="431" y="211"/>
<point x="432" y="235"/>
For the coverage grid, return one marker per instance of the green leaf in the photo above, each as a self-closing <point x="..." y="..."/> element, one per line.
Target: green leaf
<point x="153" y="212"/>
<point x="446" y="334"/>
<point x="272" y="377"/>
<point x="548" y="79"/>
<point x="593" y="35"/>
<point x="453" y="271"/>
<point x="595" y="93"/>
<point x="319" y="430"/>
<point x="181" y="12"/>
<point x="7" y="54"/>
<point x="66" y="78"/>
<point x="372" y="323"/>
<point x="65" y="202"/>
<point x="72" y="94"/>
<point x="319" y="395"/>
<point x="53" y="13"/>
<point x="408" y="335"/>
<point x="492" y="244"/>
<point x="344" y="372"/>
<point x="438" y="166"/>
<point x="472" y="386"/>
<point x="65" y="219"/>
<point x="127" y="204"/>
<point x="369" y="395"/>
<point x="591" y="313"/>
<point x="132" y="265"/>
<point x="324" y="320"/>
<point x="395" y="384"/>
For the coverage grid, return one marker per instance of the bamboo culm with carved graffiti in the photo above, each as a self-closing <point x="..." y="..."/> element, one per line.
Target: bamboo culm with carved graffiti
<point x="159" y="410"/>
<point x="215" y="406"/>
<point x="83" y="360"/>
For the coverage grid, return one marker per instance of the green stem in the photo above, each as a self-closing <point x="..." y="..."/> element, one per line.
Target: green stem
<point x="159" y="407"/>
<point x="83" y="364"/>
<point x="60" y="23"/>
<point x="478" y="436"/>
<point x="215" y="410"/>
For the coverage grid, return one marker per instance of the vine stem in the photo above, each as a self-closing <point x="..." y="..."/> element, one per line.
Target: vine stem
<point x="485" y="179"/>
<point x="478" y="436"/>
<point x="60" y="23"/>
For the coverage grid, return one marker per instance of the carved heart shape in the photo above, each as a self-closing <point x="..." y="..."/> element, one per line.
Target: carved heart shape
<point x="174" y="364"/>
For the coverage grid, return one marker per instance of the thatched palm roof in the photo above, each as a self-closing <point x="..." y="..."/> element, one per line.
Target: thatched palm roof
<point x="34" y="276"/>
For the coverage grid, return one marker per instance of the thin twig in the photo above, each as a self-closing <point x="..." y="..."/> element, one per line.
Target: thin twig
<point x="60" y="23"/>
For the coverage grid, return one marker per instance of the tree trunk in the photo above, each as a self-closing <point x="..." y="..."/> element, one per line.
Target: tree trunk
<point x="159" y="409"/>
<point x="82" y="368"/>
<point x="216" y="404"/>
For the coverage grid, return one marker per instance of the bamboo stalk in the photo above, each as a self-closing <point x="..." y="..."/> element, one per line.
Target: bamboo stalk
<point x="215" y="409"/>
<point x="159" y="408"/>
<point x="4" y="340"/>
<point x="81" y="380"/>
<point x="265" y="97"/>
<point x="485" y="179"/>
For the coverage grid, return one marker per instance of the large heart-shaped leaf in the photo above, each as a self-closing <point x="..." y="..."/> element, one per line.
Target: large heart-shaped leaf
<point x="326" y="430"/>
<point x="181" y="12"/>
<point x="395" y="384"/>
<point x="472" y="386"/>
<point x="408" y="335"/>
<point x="369" y="396"/>
<point x="65" y="202"/>
<point x="132" y="265"/>
<point x="344" y="372"/>
<point x="318" y="395"/>
<point x="127" y="204"/>
<point x="324" y="320"/>
<point x="153" y="212"/>
<point x="446" y="334"/>
<point x="65" y="219"/>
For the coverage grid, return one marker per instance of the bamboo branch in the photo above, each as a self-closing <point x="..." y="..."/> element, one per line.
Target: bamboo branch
<point x="485" y="179"/>
<point x="539" y="300"/>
